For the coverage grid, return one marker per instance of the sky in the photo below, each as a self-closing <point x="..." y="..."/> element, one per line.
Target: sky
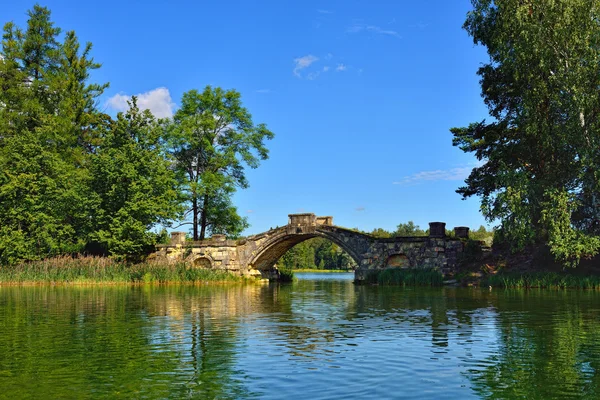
<point x="360" y="95"/>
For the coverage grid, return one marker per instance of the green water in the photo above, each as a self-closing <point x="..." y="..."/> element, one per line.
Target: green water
<point x="319" y="338"/>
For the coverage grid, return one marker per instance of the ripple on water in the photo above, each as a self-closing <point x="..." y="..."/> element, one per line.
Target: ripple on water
<point x="317" y="339"/>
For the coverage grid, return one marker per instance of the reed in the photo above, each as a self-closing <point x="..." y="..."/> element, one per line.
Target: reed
<point x="547" y="280"/>
<point x="286" y="275"/>
<point x="102" y="270"/>
<point x="406" y="277"/>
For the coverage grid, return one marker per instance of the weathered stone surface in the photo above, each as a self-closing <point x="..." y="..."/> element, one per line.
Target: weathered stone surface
<point x="258" y="254"/>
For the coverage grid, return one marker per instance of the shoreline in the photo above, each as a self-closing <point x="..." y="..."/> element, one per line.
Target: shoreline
<point x="321" y="271"/>
<point x="120" y="283"/>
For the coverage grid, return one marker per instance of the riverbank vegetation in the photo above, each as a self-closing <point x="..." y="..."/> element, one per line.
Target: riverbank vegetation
<point x="286" y="275"/>
<point x="105" y="270"/>
<point x="543" y="280"/>
<point x="76" y="180"/>
<point x="405" y="277"/>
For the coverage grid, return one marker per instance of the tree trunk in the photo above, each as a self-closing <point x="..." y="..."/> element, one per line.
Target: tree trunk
<point x="195" y="212"/>
<point x="203" y="218"/>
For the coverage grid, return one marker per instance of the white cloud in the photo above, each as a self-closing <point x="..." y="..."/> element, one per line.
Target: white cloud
<point x="357" y="28"/>
<point x="325" y="68"/>
<point x="158" y="101"/>
<point x="303" y="62"/>
<point x="263" y="91"/>
<point x="250" y="211"/>
<point x="453" y="174"/>
<point x="341" y="67"/>
<point x="321" y="11"/>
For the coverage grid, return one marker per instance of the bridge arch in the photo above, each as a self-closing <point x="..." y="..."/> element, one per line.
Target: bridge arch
<point x="272" y="250"/>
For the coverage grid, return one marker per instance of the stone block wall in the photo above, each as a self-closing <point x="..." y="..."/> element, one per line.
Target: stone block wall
<point x="257" y="255"/>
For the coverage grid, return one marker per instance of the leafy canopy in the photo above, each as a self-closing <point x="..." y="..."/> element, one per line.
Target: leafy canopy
<point x="541" y="152"/>
<point x="213" y="138"/>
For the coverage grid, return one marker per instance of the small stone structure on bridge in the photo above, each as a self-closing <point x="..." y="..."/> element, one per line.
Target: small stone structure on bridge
<point x="257" y="255"/>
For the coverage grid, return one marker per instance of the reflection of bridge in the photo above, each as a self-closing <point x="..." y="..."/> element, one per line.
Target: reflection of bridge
<point x="258" y="254"/>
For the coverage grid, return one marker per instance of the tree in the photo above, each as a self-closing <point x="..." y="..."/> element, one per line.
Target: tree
<point x="213" y="138"/>
<point x="134" y="185"/>
<point x="381" y="233"/>
<point x="541" y="152"/>
<point x="46" y="108"/>
<point x="409" y="229"/>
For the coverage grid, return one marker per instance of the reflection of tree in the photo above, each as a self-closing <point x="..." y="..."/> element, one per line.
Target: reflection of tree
<point x="549" y="346"/>
<point x="127" y="341"/>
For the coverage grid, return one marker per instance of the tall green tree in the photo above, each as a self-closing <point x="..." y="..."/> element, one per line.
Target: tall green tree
<point x="541" y="152"/>
<point x="134" y="185"/>
<point x="213" y="140"/>
<point x="46" y="108"/>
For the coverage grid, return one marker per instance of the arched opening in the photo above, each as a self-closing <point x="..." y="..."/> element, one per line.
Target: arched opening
<point x="398" y="261"/>
<point x="318" y="253"/>
<point x="202" y="262"/>
<point x="315" y="251"/>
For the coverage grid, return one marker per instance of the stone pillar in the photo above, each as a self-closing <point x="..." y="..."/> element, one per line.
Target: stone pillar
<point x="177" y="238"/>
<point x="437" y="229"/>
<point x="306" y="219"/>
<point x="218" y="238"/>
<point x="461" y="232"/>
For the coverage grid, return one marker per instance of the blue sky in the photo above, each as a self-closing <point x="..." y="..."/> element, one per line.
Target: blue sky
<point x="360" y="95"/>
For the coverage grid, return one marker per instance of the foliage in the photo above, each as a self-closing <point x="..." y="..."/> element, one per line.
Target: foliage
<point x="471" y="252"/>
<point x="286" y="275"/>
<point x="47" y="116"/>
<point x="381" y="233"/>
<point x="133" y="183"/>
<point x="548" y="280"/>
<point x="482" y="234"/>
<point x="540" y="155"/>
<point x="95" y="270"/>
<point x="317" y="253"/>
<point x="409" y="229"/>
<point x="213" y="138"/>
<point x="73" y="180"/>
<point x="405" y="277"/>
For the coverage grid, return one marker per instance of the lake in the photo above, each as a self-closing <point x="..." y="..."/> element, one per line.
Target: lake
<point x="321" y="337"/>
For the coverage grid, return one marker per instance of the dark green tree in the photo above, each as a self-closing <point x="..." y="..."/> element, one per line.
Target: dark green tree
<point x="213" y="138"/>
<point x="46" y="108"/>
<point x="541" y="152"/>
<point x="134" y="184"/>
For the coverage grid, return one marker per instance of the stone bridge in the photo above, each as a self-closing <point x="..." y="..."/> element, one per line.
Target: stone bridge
<point x="258" y="254"/>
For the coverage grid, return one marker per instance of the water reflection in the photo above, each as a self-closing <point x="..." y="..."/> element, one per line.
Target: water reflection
<point x="318" y="338"/>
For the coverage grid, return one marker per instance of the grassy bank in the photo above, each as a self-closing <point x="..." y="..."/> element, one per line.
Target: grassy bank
<point x="547" y="280"/>
<point x="406" y="277"/>
<point x="99" y="270"/>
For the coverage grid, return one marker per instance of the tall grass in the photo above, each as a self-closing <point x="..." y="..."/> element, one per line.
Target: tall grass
<point x="548" y="280"/>
<point x="93" y="270"/>
<point x="406" y="277"/>
<point x="286" y="275"/>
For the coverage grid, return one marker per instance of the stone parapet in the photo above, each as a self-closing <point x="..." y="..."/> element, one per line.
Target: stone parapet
<point x="258" y="254"/>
